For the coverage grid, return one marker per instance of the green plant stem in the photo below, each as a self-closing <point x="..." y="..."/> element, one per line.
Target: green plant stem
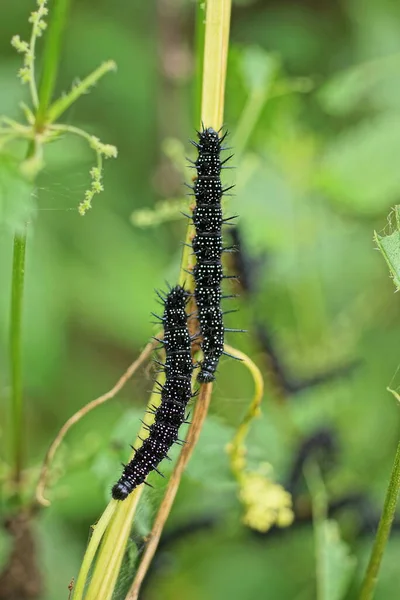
<point x="49" y="73"/>
<point x="382" y="535"/>
<point x="51" y="58"/>
<point x="249" y="118"/>
<point x="62" y="104"/>
<point x="17" y="289"/>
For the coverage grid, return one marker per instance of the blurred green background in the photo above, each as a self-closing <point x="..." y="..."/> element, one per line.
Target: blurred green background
<point x="317" y="172"/>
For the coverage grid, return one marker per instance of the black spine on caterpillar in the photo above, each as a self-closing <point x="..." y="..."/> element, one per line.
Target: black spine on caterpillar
<point x="208" y="248"/>
<point x="175" y="395"/>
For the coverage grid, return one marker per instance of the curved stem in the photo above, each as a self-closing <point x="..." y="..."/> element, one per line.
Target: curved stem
<point x="237" y="446"/>
<point x="16" y="397"/>
<point x="382" y="535"/>
<point x="41" y="486"/>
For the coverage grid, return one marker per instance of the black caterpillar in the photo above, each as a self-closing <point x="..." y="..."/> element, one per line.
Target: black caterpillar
<point x="208" y="248"/>
<point x="175" y="395"/>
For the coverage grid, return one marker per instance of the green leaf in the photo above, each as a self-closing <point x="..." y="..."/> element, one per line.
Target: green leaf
<point x="389" y="245"/>
<point x="16" y="195"/>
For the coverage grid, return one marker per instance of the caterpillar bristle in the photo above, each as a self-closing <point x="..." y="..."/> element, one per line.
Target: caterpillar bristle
<point x="225" y="353"/>
<point x="161" y="297"/>
<point x="158" y="362"/>
<point x="223" y="162"/>
<point x="235" y="277"/>
<point x="160" y="319"/>
<point x="159" y="472"/>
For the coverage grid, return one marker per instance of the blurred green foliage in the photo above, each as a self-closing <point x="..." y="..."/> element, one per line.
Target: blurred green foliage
<point x="316" y="175"/>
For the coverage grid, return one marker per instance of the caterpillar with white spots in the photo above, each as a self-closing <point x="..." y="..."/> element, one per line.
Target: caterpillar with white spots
<point x="208" y="247"/>
<point x="175" y="395"/>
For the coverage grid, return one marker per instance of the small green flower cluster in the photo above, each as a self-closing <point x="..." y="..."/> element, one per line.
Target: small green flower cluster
<point x="47" y="130"/>
<point x="26" y="73"/>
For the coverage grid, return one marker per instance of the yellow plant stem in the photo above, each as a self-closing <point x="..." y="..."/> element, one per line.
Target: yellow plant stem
<point x="186" y="279"/>
<point x="113" y="548"/>
<point x="215" y="62"/>
<point x="95" y="539"/>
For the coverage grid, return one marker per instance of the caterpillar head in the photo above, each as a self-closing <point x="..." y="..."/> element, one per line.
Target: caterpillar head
<point x="209" y="140"/>
<point x="120" y="491"/>
<point x="205" y="376"/>
<point x="176" y="298"/>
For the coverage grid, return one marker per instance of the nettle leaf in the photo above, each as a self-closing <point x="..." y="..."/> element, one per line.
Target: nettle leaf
<point x="16" y="195"/>
<point x="389" y="245"/>
<point x="360" y="169"/>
